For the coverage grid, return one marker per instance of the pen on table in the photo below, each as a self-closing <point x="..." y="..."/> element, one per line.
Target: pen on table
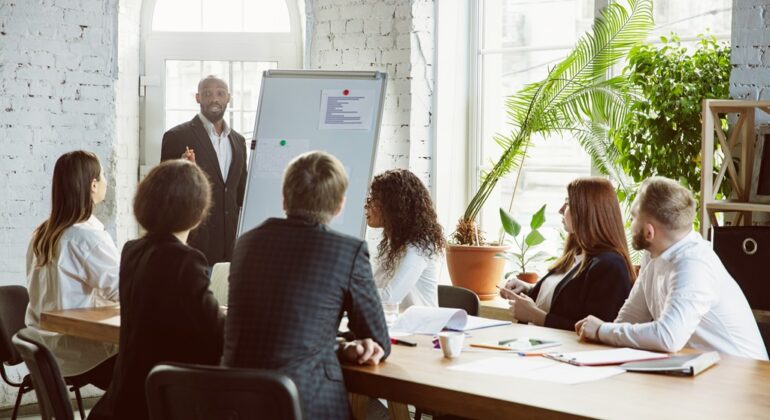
<point x="524" y="353"/>
<point x="403" y="342"/>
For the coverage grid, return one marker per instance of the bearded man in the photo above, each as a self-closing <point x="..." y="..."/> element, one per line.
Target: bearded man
<point x="216" y="148"/>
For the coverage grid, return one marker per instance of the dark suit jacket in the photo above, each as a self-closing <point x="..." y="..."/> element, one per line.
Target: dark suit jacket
<point x="167" y="314"/>
<point x="290" y="282"/>
<point x="600" y="289"/>
<point x="215" y="237"/>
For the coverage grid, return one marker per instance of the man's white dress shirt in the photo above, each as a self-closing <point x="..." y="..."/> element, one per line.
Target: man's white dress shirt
<point x="83" y="275"/>
<point x="414" y="280"/>
<point x="686" y="297"/>
<point x="221" y="144"/>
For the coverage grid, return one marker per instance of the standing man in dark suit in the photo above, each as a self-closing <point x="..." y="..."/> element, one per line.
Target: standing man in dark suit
<point x="290" y="282"/>
<point x="221" y="152"/>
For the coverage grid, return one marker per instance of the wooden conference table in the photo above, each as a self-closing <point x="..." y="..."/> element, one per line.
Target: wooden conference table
<point x="735" y="388"/>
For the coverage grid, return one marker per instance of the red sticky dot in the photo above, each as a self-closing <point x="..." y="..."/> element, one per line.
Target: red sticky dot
<point x="346" y="92"/>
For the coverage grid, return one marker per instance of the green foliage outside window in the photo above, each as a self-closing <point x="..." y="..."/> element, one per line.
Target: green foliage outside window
<point x="661" y="134"/>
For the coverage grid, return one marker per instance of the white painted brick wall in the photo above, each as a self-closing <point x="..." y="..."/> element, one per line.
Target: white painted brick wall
<point x="396" y="37"/>
<point x="750" y="56"/>
<point x="60" y="90"/>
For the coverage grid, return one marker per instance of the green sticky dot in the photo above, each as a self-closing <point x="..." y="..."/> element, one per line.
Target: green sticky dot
<point x="283" y="143"/>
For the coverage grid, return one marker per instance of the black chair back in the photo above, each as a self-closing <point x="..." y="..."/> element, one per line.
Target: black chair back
<point x="13" y="308"/>
<point x="458" y="297"/>
<point x="48" y="383"/>
<point x="195" y="392"/>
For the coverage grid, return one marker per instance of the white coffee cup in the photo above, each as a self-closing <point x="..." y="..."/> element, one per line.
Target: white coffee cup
<point x="451" y="343"/>
<point x="391" y="313"/>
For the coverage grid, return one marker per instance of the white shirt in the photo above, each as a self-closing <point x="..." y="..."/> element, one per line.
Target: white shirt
<point x="685" y="297"/>
<point x="83" y="275"/>
<point x="221" y="143"/>
<point x="414" y="280"/>
<point x="545" y="295"/>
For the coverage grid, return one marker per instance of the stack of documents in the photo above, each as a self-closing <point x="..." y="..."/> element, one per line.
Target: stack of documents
<point x="427" y="320"/>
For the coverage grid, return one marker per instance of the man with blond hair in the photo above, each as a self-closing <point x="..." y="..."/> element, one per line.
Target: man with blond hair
<point x="683" y="295"/>
<point x="290" y="282"/>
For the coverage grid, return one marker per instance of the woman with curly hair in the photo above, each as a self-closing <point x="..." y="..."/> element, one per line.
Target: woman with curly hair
<point x="412" y="239"/>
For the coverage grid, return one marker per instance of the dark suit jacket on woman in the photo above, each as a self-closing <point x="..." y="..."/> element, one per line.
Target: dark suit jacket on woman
<point x="167" y="314"/>
<point x="290" y="282"/>
<point x="215" y="237"/>
<point x="600" y="289"/>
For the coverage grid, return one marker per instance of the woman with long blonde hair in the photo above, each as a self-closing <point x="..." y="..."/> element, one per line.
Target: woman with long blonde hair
<point x="73" y="263"/>
<point x="594" y="273"/>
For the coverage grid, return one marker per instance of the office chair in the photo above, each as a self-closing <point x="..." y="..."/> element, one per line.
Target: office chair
<point x="13" y="307"/>
<point x="196" y="392"/>
<point x="458" y="297"/>
<point x="52" y="396"/>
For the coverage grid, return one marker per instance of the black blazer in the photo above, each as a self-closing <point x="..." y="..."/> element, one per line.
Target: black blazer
<point x="600" y="289"/>
<point x="215" y="237"/>
<point x="167" y="314"/>
<point x="290" y="282"/>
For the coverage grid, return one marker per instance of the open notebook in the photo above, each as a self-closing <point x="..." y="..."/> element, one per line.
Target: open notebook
<point x="427" y="320"/>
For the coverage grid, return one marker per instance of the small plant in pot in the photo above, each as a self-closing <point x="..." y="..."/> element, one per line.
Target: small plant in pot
<point x="526" y="245"/>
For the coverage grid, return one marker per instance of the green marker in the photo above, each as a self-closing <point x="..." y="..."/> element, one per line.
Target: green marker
<point x="283" y="143"/>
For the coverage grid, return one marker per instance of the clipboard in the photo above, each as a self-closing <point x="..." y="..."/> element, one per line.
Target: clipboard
<point x="605" y="357"/>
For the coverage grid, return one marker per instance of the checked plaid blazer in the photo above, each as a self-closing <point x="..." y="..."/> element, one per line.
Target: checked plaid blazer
<point x="290" y="282"/>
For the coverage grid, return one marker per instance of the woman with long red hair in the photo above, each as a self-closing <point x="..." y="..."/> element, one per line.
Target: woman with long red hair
<point x="594" y="273"/>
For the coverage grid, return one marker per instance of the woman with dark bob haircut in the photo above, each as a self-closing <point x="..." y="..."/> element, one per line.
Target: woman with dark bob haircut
<point x="594" y="273"/>
<point x="167" y="312"/>
<point x="412" y="239"/>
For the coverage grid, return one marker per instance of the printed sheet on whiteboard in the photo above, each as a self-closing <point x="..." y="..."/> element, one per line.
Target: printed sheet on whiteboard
<point x="273" y="155"/>
<point x="346" y="109"/>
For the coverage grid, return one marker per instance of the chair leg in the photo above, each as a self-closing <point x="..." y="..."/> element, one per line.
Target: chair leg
<point x="417" y="414"/>
<point x="80" y="402"/>
<point x="22" y="390"/>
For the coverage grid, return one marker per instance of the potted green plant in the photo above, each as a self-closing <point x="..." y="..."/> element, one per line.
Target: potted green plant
<point x="526" y="246"/>
<point x="661" y="134"/>
<point x="579" y="97"/>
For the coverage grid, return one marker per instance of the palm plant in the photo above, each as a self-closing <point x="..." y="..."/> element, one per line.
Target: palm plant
<point x="576" y="97"/>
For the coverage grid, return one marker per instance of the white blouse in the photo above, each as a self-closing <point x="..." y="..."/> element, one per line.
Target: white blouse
<point x="84" y="275"/>
<point x="414" y="281"/>
<point x="545" y="295"/>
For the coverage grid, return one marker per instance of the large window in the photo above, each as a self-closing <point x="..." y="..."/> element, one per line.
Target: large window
<point x="518" y="42"/>
<point x="243" y="77"/>
<point x="221" y="16"/>
<point x="236" y="40"/>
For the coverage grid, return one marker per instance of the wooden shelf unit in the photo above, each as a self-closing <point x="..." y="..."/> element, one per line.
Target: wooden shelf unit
<point x="742" y="133"/>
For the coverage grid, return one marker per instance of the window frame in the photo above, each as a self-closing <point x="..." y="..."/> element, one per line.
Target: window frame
<point x="285" y="48"/>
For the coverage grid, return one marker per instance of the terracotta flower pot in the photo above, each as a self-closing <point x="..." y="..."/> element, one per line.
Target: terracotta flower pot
<point x="528" y="277"/>
<point x="476" y="268"/>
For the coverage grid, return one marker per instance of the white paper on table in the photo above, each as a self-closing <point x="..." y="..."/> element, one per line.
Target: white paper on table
<point x="273" y="155"/>
<point x="537" y="368"/>
<point x="113" y="320"/>
<point x="346" y="109"/>
<point x="504" y="366"/>
<point x="563" y="373"/>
